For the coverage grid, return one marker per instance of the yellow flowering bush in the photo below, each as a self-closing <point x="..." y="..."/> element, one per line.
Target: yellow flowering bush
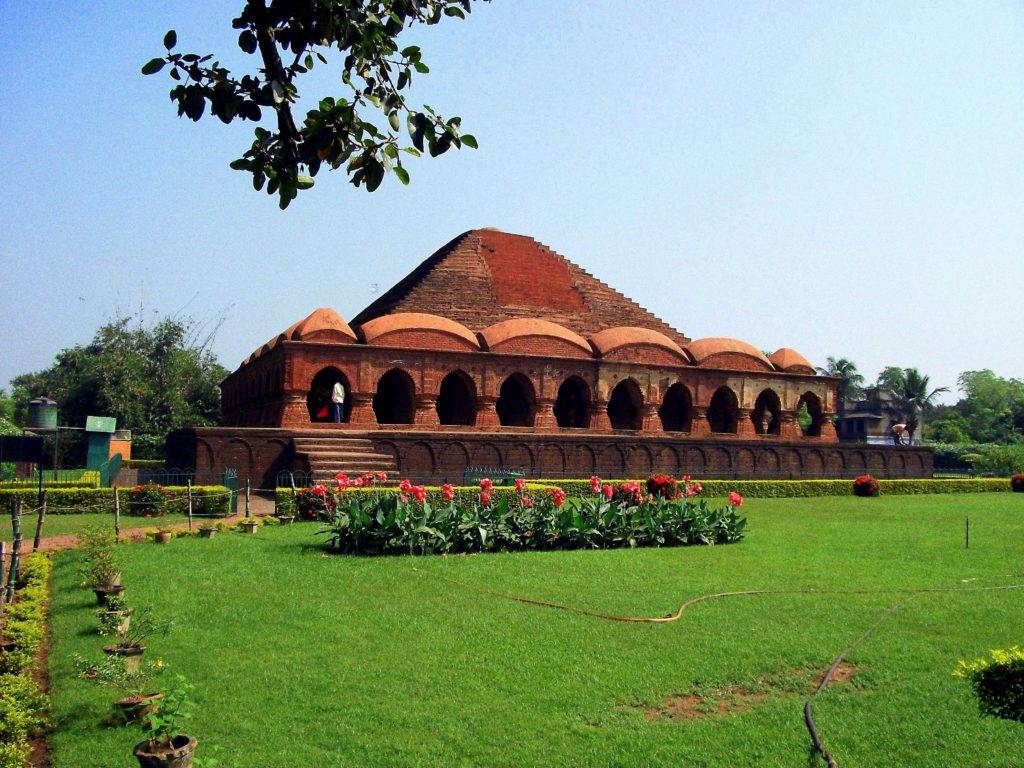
<point x="998" y="682"/>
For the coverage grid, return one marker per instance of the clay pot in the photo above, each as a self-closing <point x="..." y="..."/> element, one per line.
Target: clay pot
<point x="162" y="537"/>
<point x="207" y="533"/>
<point x="135" y="708"/>
<point x="102" y="593"/>
<point x="132" y="656"/>
<point x="286" y="519"/>
<point x="179" y="755"/>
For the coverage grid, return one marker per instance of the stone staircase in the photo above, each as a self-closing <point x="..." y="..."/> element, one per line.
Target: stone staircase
<point x="327" y="456"/>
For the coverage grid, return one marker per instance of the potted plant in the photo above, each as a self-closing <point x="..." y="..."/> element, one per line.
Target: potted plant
<point x="115" y="616"/>
<point x="138" y="698"/>
<point x="100" y="570"/>
<point x="207" y="530"/>
<point x="165" y="745"/>
<point x="129" y="644"/>
<point x="284" y="516"/>
<point x="163" y="534"/>
<point x="249" y="525"/>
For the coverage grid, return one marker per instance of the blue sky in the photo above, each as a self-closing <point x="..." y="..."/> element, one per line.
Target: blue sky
<point x="845" y="179"/>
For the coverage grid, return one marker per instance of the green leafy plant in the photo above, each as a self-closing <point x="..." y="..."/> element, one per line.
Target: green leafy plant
<point x="110" y="672"/>
<point x="113" y="615"/>
<point x="163" y="724"/>
<point x="144" y="625"/>
<point x="290" y="39"/>
<point x="99" y="562"/>
<point x="998" y="682"/>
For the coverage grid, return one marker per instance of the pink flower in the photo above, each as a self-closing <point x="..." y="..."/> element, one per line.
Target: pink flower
<point x="686" y="478"/>
<point x="595" y="483"/>
<point x="447" y="492"/>
<point x="520" y="484"/>
<point x="342" y="479"/>
<point x="608" y="491"/>
<point x="735" y="499"/>
<point x="690" y="492"/>
<point x="485" y="498"/>
<point x="382" y="477"/>
<point x="527" y="534"/>
<point x="527" y="502"/>
<point x="403" y="498"/>
<point x="697" y="487"/>
<point x="358" y="482"/>
<point x="486" y="484"/>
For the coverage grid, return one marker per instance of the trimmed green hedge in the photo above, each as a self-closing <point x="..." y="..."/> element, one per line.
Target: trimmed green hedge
<point x="143" y="464"/>
<point x="464" y="493"/>
<point x="22" y="703"/>
<point x="782" y="489"/>
<point x="212" y="500"/>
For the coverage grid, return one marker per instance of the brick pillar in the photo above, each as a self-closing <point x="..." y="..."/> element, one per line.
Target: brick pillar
<point x="789" y="429"/>
<point x="294" y="412"/>
<point x="545" y="418"/>
<point x="486" y="412"/>
<point x="362" y="410"/>
<point x="599" y="420"/>
<point x="426" y="411"/>
<point x="650" y="422"/>
<point x="828" y="429"/>
<point x="699" y="426"/>
<point x="744" y="425"/>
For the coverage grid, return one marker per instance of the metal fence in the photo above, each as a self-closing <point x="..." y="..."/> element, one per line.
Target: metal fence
<point x="190" y="476"/>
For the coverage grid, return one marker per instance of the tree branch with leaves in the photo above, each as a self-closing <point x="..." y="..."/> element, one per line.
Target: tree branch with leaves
<point x="360" y="129"/>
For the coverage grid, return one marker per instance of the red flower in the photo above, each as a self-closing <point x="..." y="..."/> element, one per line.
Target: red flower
<point x="686" y="478"/>
<point x="486" y="484"/>
<point x="319" y="490"/>
<point x="595" y="483"/>
<point x="557" y="496"/>
<point x="697" y="487"/>
<point x="520" y="484"/>
<point x="485" y="498"/>
<point x="405" y="486"/>
<point x="420" y="493"/>
<point x="343" y="481"/>
<point x="608" y="491"/>
<point x="527" y="502"/>
<point x="358" y="482"/>
<point x="735" y="499"/>
<point x="368" y="478"/>
<point x="690" y="492"/>
<point x="447" y="492"/>
<point x="382" y="477"/>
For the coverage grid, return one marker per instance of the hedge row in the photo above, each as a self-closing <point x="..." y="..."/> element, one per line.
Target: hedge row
<point x="22" y="703"/>
<point x="780" y="489"/>
<point x="284" y="505"/>
<point x="143" y="464"/>
<point x="212" y="500"/>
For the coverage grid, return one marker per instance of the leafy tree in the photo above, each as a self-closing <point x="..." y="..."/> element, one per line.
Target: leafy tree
<point x="152" y="379"/>
<point x="375" y="74"/>
<point x="851" y="382"/>
<point x="7" y="427"/>
<point x="912" y="392"/>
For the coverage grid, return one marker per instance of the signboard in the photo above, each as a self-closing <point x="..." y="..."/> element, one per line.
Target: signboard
<point x="106" y="424"/>
<point x="27" y="448"/>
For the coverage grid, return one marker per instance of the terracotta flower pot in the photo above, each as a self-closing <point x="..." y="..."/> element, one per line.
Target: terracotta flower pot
<point x="179" y="755"/>
<point x="103" y="593"/>
<point x="134" y="709"/>
<point x="162" y="537"/>
<point x="132" y="656"/>
<point x="286" y="519"/>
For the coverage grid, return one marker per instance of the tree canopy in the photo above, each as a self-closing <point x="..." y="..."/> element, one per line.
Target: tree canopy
<point x="152" y="379"/>
<point x="991" y="410"/>
<point x="361" y="129"/>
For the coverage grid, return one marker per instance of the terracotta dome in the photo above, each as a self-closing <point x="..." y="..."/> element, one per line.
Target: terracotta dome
<point x="612" y="339"/>
<point x="398" y="323"/>
<point x="791" y="361"/>
<point x="321" y="325"/>
<point x="702" y="350"/>
<point x="525" y="327"/>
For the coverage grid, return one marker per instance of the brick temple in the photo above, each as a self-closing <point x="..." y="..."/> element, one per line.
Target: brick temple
<point x="498" y="352"/>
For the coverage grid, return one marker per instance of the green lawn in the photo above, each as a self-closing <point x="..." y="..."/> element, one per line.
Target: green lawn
<point x="60" y="525"/>
<point x="307" y="660"/>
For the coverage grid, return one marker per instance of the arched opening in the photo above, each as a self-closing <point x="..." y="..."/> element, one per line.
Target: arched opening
<point x="572" y="408"/>
<point x="625" y="404"/>
<point x="516" y="402"/>
<point x="676" y="412"/>
<point x="809" y="414"/>
<point x="318" y="399"/>
<point x="767" y="414"/>
<point x="722" y="411"/>
<point x="456" y="400"/>
<point x="393" y="403"/>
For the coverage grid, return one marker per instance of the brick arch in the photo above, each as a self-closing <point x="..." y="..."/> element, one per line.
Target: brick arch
<point x="318" y="396"/>
<point x="723" y="411"/>
<point x="204" y="453"/>
<point x="898" y="465"/>
<point x="792" y="460"/>
<point x="744" y="461"/>
<point x="814" y="462"/>
<point x="395" y="399"/>
<point x="835" y="461"/>
<point x="668" y="461"/>
<point x="519" y="456"/>
<point x="719" y="460"/>
<point x="418" y="459"/>
<point x="457" y="399"/>
<point x="485" y="455"/>
<point x="695" y="461"/>
<point x="768" y="460"/>
<point x="452" y="461"/>
<point x="767" y="413"/>
<point x="876" y="462"/>
<point x="517" y="401"/>
<point x="551" y="461"/>
<point x="625" y="405"/>
<point x="572" y="403"/>
<point x="857" y="461"/>
<point x="240" y="455"/>
<point x="611" y="462"/>
<point x="584" y="460"/>
<point x="640" y="461"/>
<point x="676" y="411"/>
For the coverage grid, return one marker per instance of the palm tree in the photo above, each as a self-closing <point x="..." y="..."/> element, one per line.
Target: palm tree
<point x="915" y="399"/>
<point x="850" y="381"/>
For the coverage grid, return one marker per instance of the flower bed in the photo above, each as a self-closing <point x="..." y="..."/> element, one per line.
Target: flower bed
<point x="412" y="521"/>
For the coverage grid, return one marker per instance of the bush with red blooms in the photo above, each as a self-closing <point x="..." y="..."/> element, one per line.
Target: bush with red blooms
<point x="1017" y="482"/>
<point x="663" y="486"/>
<point x="865" y="485"/>
<point x="316" y="502"/>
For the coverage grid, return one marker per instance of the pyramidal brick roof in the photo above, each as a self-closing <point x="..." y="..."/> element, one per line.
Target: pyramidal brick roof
<point x="485" y="276"/>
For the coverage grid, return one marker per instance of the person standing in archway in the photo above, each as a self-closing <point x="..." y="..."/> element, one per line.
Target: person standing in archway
<point x="337" y="402"/>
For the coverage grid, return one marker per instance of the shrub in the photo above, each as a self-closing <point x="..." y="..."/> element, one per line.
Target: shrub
<point x="1017" y="482"/>
<point x="865" y="485"/>
<point x="665" y="486"/>
<point x="212" y="500"/>
<point x="1003" y="460"/>
<point x="998" y="682"/>
<point x="143" y="463"/>
<point x="146" y="500"/>
<point x="22" y="704"/>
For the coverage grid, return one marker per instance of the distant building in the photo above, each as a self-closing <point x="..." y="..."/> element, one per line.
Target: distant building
<point x="871" y="419"/>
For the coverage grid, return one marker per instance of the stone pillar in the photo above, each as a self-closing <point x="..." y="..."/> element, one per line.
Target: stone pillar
<point x="426" y="412"/>
<point x="294" y="412"/>
<point x="487" y="413"/>
<point x="699" y="426"/>
<point x="789" y="429"/>
<point x="650" y="421"/>
<point x="599" y="421"/>
<point x="545" y="416"/>
<point x="362" y="414"/>
<point x="744" y="424"/>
